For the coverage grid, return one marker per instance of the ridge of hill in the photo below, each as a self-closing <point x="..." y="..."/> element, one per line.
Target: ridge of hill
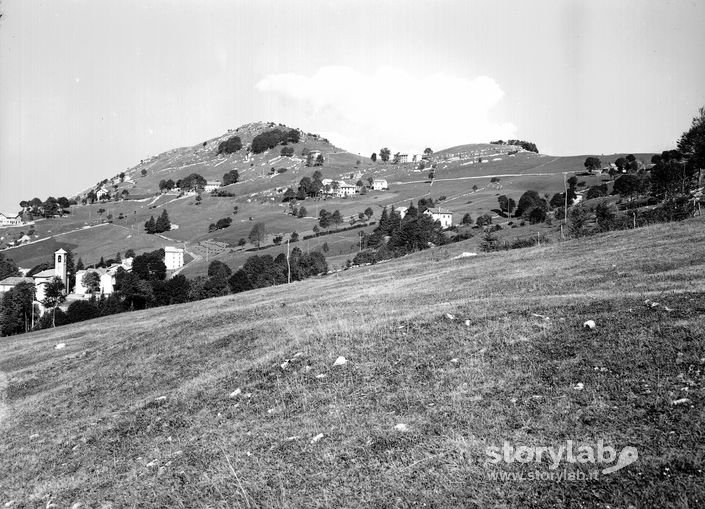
<point x="237" y="401"/>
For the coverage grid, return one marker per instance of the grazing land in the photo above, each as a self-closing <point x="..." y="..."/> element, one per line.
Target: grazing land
<point x="236" y="402"/>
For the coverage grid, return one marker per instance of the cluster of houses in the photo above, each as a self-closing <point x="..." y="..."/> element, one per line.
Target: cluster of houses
<point x="173" y="259"/>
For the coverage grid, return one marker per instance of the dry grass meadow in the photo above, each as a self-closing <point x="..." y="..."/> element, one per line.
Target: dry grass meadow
<point x="235" y="401"/>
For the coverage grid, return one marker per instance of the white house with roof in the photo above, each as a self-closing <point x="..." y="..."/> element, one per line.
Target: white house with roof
<point x="445" y="217"/>
<point x="401" y="211"/>
<point x="173" y="257"/>
<point x="344" y="189"/>
<point x="379" y="184"/>
<point x="212" y="185"/>
<point x="10" y="221"/>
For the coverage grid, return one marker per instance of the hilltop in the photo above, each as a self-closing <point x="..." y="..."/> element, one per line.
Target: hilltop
<point x="236" y="401"/>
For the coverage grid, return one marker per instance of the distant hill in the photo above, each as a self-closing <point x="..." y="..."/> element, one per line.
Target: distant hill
<point x="461" y="176"/>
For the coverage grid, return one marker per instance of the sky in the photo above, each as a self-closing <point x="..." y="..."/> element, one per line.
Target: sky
<point x="90" y="87"/>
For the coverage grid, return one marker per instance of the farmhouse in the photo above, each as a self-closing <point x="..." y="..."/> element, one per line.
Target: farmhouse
<point x="445" y="217"/>
<point x="379" y="184"/>
<point x="10" y="221"/>
<point x="173" y="258"/>
<point x="345" y="189"/>
<point x="212" y="185"/>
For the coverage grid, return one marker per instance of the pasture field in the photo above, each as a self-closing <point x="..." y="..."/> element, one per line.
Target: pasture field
<point x="237" y="401"/>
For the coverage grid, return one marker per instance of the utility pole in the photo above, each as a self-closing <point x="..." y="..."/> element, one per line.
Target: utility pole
<point x="288" y="265"/>
<point x="565" y="194"/>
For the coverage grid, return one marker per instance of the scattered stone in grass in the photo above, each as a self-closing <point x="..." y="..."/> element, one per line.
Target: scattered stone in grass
<point x="316" y="438"/>
<point x="682" y="401"/>
<point x="476" y="398"/>
<point x="285" y="364"/>
<point x="32" y="437"/>
<point x="401" y="427"/>
<point x="579" y="386"/>
<point x="60" y="346"/>
<point x="307" y="369"/>
<point x="152" y="463"/>
<point x="464" y="254"/>
<point x="322" y="375"/>
<point x="467" y="323"/>
<point x="454" y="360"/>
<point x="298" y="354"/>
<point x="543" y="317"/>
<point x="450" y="317"/>
<point x="590" y="324"/>
<point x="340" y="361"/>
<point x="235" y="393"/>
<point x="161" y="398"/>
<point x="292" y="438"/>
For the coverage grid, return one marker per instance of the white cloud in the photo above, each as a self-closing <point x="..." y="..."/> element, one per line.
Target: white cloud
<point x="394" y="108"/>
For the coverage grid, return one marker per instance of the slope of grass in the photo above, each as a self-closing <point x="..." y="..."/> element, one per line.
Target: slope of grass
<point x="139" y="410"/>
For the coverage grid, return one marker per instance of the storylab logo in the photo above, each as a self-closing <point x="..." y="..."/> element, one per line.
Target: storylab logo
<point x="568" y="453"/>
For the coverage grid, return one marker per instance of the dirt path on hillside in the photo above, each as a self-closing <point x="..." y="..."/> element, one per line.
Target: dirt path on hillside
<point x="3" y="406"/>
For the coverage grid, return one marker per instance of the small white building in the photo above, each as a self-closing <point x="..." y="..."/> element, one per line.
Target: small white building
<point x="212" y="185"/>
<point x="401" y="211"/>
<point x="379" y="184"/>
<point x="445" y="217"/>
<point x="173" y="258"/>
<point x="10" y="221"/>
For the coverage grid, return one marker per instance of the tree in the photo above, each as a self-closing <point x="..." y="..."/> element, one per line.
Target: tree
<point x="529" y="201"/>
<point x="692" y="143"/>
<point x="53" y="296"/>
<point x="373" y="157"/>
<point x="294" y="237"/>
<point x="427" y="151"/>
<point x="150" y="266"/>
<point x="219" y="269"/>
<point x="130" y="253"/>
<point x="302" y="212"/>
<point x="483" y="220"/>
<point x="467" y="219"/>
<point x="81" y="310"/>
<point x="257" y="234"/>
<point x="627" y="185"/>
<point x="369" y="212"/>
<point x="336" y="218"/>
<point x="319" y="160"/>
<point x="16" y="309"/>
<point x="384" y="154"/>
<point x="162" y="224"/>
<point x="143" y="172"/>
<point x="324" y="218"/>
<point x="193" y="182"/>
<point x="231" y="177"/>
<point x="593" y="163"/>
<point x="150" y="226"/>
<point x="8" y="268"/>
<point x="91" y="281"/>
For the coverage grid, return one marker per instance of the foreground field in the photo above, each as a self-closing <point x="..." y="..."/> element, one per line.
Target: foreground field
<point x="236" y="402"/>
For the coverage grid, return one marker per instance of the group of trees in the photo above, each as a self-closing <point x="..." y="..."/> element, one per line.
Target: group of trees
<point x="395" y="236"/>
<point x="162" y="224"/>
<point x="193" y="182"/>
<point x="48" y="208"/>
<point x="270" y="139"/>
<point x="263" y="271"/>
<point x="229" y="146"/>
<point x="220" y="224"/>
<point x="526" y="145"/>
<point x="326" y="219"/>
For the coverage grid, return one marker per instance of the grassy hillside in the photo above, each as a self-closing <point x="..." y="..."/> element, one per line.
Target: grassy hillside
<point x="236" y="402"/>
